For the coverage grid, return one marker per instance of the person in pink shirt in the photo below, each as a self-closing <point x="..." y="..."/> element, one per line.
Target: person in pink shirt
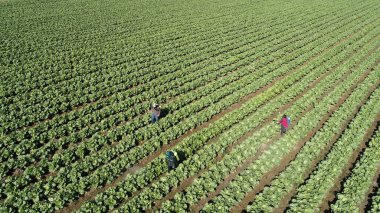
<point x="284" y="124"/>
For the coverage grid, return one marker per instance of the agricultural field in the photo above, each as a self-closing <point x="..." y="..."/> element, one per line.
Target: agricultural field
<point x="78" y="78"/>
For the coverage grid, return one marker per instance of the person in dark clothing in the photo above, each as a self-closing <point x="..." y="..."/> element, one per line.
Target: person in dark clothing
<point x="284" y="124"/>
<point x="171" y="159"/>
<point x="156" y="111"/>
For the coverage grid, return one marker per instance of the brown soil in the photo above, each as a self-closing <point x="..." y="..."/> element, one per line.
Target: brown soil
<point x="17" y="172"/>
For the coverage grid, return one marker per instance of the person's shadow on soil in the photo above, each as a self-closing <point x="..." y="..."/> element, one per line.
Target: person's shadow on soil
<point x="164" y="112"/>
<point x="181" y="156"/>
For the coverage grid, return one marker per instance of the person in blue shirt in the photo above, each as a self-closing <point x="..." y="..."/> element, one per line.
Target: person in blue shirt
<point x="156" y="111"/>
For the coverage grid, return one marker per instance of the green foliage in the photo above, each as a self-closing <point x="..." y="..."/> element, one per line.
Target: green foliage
<point x="78" y="77"/>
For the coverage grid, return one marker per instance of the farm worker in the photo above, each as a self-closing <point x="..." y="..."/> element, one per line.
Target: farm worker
<point x="156" y="111"/>
<point x="171" y="158"/>
<point x="284" y="124"/>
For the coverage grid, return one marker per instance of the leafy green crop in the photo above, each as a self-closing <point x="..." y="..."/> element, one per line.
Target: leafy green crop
<point x="361" y="179"/>
<point x="78" y="78"/>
